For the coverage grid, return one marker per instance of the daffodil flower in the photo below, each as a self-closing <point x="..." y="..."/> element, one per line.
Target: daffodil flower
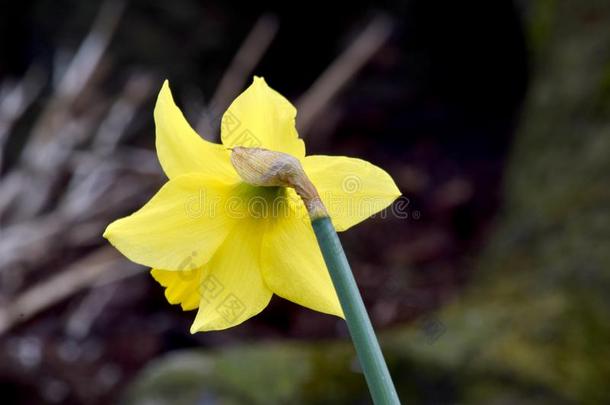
<point x="224" y="246"/>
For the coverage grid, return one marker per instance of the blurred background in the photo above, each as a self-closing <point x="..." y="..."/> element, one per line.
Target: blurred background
<point x="493" y="117"/>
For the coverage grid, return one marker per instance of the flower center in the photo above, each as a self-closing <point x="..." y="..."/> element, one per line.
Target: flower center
<point x="267" y="168"/>
<point x="260" y="202"/>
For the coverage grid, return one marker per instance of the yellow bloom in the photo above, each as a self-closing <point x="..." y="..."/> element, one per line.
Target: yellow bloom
<point x="223" y="246"/>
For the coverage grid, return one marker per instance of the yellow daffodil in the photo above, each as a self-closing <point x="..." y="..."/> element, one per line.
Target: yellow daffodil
<point x="222" y="246"/>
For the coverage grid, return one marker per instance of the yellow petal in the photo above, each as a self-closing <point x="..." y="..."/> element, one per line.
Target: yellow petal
<point x="186" y="219"/>
<point x="181" y="287"/>
<point x="261" y="117"/>
<point x="180" y="149"/>
<point x="352" y="189"/>
<point x="293" y="266"/>
<point x="232" y="289"/>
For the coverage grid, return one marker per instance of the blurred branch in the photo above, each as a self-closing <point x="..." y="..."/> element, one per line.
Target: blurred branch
<point x="92" y="49"/>
<point x="78" y="276"/>
<point x="235" y="77"/>
<point x="342" y="70"/>
<point x="60" y="127"/>
<point x="137" y="90"/>
<point x="92" y="192"/>
<point x="91" y="306"/>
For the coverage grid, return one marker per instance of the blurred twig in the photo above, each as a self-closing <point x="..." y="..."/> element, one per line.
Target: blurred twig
<point x="81" y="274"/>
<point x="245" y="60"/>
<point x="61" y="127"/>
<point x="342" y="70"/>
<point x="90" y="53"/>
<point x="57" y="198"/>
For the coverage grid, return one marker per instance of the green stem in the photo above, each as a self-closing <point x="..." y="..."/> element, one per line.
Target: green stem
<point x="371" y="359"/>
